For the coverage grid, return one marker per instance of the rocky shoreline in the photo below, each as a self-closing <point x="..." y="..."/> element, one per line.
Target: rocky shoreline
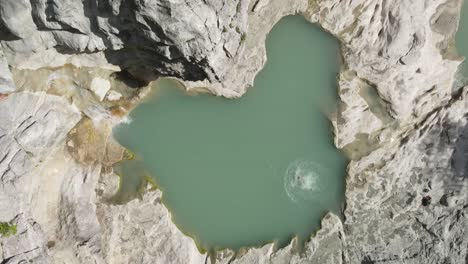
<point x="67" y="76"/>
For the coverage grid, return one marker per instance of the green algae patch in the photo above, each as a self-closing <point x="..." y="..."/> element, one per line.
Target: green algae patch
<point x="7" y="229"/>
<point x="151" y="181"/>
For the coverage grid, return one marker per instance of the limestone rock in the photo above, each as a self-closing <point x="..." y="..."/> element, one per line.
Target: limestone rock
<point x="33" y="127"/>
<point x="113" y="96"/>
<point x="193" y="40"/>
<point x="406" y="188"/>
<point x="6" y="79"/>
<point x="355" y="116"/>
<point x="158" y="239"/>
<point x="16" y="19"/>
<point x="100" y="87"/>
<point x="398" y="195"/>
<point x="405" y="56"/>
<point x="327" y="246"/>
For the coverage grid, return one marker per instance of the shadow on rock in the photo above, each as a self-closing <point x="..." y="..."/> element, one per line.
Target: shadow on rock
<point x="459" y="160"/>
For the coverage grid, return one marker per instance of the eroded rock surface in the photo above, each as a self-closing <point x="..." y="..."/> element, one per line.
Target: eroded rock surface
<point x="406" y="195"/>
<point x="406" y="202"/>
<point x="193" y="40"/>
<point x="6" y="79"/>
<point x="159" y="239"/>
<point x="33" y="128"/>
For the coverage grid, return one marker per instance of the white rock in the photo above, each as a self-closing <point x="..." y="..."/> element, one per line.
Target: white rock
<point x="158" y="239"/>
<point x="6" y="79"/>
<point x="113" y="96"/>
<point x="32" y="129"/>
<point x="100" y="87"/>
<point x="399" y="47"/>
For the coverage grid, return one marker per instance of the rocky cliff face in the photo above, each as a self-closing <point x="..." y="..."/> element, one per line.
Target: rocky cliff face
<point x="65" y="72"/>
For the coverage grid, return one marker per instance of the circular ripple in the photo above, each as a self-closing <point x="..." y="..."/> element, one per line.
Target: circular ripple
<point x="301" y="180"/>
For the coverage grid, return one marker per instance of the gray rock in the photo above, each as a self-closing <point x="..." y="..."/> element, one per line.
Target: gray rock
<point x="33" y="127"/>
<point x="6" y="79"/>
<point x="188" y="39"/>
<point x="405" y="57"/>
<point x="159" y="240"/>
<point x="16" y="20"/>
<point x="27" y="244"/>
<point x="406" y="194"/>
<point x="397" y="197"/>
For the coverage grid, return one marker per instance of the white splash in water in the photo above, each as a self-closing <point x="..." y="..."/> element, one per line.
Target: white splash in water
<point x="125" y="120"/>
<point x="301" y="180"/>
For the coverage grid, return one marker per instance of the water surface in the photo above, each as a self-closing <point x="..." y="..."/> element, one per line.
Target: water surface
<point x="251" y="170"/>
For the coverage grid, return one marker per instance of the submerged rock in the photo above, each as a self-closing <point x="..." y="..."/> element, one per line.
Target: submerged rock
<point x="57" y="189"/>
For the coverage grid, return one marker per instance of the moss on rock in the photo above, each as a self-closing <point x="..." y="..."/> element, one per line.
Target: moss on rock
<point x="7" y="229"/>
